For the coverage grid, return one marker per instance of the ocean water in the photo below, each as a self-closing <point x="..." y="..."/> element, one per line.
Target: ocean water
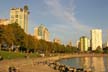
<point x="96" y="64"/>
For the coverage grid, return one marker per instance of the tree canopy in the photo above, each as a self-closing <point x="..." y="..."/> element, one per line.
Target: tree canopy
<point x="13" y="34"/>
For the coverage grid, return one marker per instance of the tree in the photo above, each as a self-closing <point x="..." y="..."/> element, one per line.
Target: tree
<point x="19" y="34"/>
<point x="32" y="43"/>
<point x="13" y="34"/>
<point x="105" y="50"/>
<point x="26" y="8"/>
<point x="6" y="35"/>
<point x="98" y="50"/>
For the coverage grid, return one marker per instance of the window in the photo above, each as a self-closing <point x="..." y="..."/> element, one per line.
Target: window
<point x="16" y="16"/>
<point x="16" y="20"/>
<point x="20" y="17"/>
<point x="16" y="12"/>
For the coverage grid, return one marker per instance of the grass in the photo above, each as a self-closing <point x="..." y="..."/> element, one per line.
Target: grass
<point x="15" y="55"/>
<point x="11" y="55"/>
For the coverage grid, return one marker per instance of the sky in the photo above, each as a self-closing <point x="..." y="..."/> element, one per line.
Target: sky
<point x="67" y="20"/>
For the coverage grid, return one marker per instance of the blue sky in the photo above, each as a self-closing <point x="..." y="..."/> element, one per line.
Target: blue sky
<point x="65" y="19"/>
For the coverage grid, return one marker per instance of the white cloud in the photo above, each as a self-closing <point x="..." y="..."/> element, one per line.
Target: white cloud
<point x="66" y="12"/>
<point x="54" y="7"/>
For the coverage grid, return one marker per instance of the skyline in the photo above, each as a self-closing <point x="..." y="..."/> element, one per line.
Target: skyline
<point x="67" y="20"/>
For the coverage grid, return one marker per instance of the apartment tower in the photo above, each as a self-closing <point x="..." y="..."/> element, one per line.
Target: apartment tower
<point x="20" y="16"/>
<point x="96" y="38"/>
<point x="41" y="32"/>
<point x="84" y="43"/>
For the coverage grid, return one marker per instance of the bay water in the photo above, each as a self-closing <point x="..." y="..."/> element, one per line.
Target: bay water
<point x="96" y="64"/>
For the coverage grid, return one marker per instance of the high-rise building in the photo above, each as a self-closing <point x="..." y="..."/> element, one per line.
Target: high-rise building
<point x="41" y="32"/>
<point x="96" y="38"/>
<point x="84" y="43"/>
<point x="20" y="16"/>
<point x="4" y="21"/>
<point x="78" y="44"/>
<point x="89" y="43"/>
<point x="57" y="40"/>
<point x="69" y="43"/>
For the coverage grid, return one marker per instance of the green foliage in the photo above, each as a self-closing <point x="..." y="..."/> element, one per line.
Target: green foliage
<point x="11" y="55"/>
<point x="31" y="42"/>
<point x="32" y="55"/>
<point x="6" y="35"/>
<point x="105" y="50"/>
<point x="25" y="7"/>
<point x="70" y="49"/>
<point x="98" y="50"/>
<point x="19" y="35"/>
<point x="13" y="34"/>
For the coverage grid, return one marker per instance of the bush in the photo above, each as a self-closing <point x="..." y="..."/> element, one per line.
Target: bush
<point x="1" y="58"/>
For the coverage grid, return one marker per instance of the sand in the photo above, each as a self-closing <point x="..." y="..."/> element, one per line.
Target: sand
<point x="37" y="64"/>
<point x="27" y="65"/>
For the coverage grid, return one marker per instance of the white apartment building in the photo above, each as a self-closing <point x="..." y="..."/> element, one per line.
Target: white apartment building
<point x="20" y="16"/>
<point x="96" y="38"/>
<point x="41" y="32"/>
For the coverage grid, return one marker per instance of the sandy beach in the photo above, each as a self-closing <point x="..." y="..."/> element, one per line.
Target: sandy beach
<point x="36" y="64"/>
<point x="27" y="65"/>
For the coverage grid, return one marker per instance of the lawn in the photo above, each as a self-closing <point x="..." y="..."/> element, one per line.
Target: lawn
<point x="14" y="55"/>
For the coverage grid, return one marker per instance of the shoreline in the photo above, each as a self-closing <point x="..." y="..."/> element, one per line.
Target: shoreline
<point x="39" y="64"/>
<point x="67" y="56"/>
